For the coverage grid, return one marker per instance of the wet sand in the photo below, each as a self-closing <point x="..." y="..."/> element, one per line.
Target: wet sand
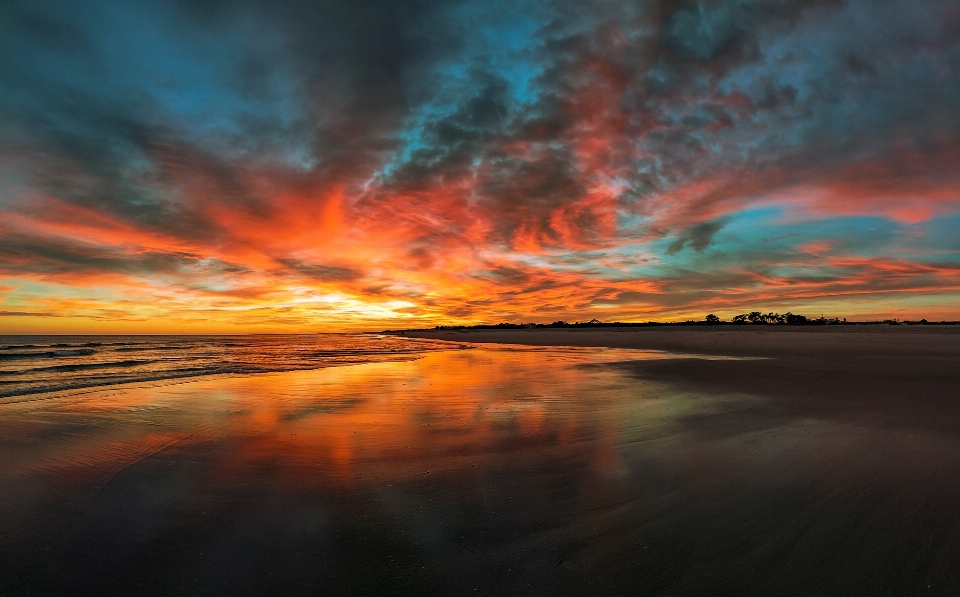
<point x="900" y="375"/>
<point x="826" y="467"/>
<point x="831" y="466"/>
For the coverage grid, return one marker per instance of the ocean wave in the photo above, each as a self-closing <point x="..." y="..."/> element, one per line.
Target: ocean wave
<point x="50" y="354"/>
<point x="51" y="365"/>
<point x="361" y="352"/>
<point x="91" y="382"/>
<point x="57" y="345"/>
<point x="32" y="389"/>
<point x="89" y="366"/>
<point x="143" y="348"/>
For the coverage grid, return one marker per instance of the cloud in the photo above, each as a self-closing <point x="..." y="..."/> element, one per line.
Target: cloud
<point x="698" y="237"/>
<point x="478" y="160"/>
<point x="325" y="273"/>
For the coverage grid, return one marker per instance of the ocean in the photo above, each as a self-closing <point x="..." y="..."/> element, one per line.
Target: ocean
<point x="31" y="365"/>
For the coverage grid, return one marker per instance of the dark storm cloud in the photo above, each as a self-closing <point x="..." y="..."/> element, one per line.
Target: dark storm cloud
<point x="323" y="273"/>
<point x="451" y="143"/>
<point x="326" y="86"/>
<point x="697" y="237"/>
<point x="700" y="89"/>
<point x="84" y="93"/>
<point x="21" y="254"/>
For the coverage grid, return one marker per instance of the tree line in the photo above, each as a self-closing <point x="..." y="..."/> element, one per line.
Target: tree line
<point x="753" y="317"/>
<point x="788" y="318"/>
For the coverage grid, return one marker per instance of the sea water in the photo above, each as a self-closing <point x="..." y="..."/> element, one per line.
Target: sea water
<point x="32" y="365"/>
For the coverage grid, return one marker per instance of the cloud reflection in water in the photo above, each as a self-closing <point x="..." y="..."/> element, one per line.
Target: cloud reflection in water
<point x="459" y="471"/>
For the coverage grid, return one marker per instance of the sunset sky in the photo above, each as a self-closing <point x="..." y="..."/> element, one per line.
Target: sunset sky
<point x="279" y="166"/>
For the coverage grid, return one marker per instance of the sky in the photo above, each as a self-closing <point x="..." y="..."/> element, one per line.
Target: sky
<point x="208" y="166"/>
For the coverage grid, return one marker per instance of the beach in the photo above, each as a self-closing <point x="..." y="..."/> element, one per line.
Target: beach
<point x="849" y="485"/>
<point x="719" y="461"/>
<point x="905" y="375"/>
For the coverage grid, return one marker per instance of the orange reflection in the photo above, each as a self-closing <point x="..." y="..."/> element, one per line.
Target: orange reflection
<point x="497" y="461"/>
<point x="350" y="426"/>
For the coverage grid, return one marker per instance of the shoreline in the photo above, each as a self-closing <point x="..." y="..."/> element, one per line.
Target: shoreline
<point x="723" y="340"/>
<point x="908" y="377"/>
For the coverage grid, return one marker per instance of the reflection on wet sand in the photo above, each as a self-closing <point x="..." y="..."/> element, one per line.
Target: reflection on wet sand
<point x="493" y="470"/>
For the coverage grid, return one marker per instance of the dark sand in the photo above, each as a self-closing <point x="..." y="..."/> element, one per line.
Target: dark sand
<point x="906" y="376"/>
<point x="866" y="498"/>
<point x="828" y="467"/>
